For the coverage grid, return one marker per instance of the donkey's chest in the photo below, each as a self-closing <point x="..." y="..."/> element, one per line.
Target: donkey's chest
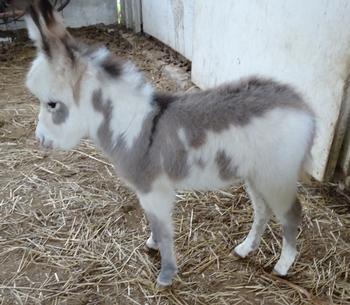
<point x="137" y="172"/>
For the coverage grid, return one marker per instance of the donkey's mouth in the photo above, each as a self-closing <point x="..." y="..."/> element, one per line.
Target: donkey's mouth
<point x="44" y="143"/>
<point x="47" y="146"/>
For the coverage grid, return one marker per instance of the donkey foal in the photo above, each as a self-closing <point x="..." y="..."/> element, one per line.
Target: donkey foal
<point x="256" y="131"/>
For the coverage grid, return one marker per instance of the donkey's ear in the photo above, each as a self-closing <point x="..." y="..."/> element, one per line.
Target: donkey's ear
<point x="45" y="26"/>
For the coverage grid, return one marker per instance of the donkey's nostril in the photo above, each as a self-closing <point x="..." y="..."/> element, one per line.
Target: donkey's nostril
<point x="39" y="139"/>
<point x="44" y="142"/>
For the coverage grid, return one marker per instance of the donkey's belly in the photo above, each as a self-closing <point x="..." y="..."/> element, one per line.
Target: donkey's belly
<point x="205" y="179"/>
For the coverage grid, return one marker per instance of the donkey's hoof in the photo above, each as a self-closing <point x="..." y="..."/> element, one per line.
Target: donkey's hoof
<point x="151" y="244"/>
<point x="165" y="277"/>
<point x="280" y="272"/>
<point x="164" y="281"/>
<point x="163" y="284"/>
<point x="241" y="251"/>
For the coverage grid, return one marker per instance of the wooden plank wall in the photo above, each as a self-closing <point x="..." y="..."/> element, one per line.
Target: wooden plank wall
<point x="170" y="21"/>
<point x="131" y="14"/>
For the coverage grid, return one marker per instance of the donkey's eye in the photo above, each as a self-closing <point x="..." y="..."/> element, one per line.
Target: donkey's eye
<point x="52" y="105"/>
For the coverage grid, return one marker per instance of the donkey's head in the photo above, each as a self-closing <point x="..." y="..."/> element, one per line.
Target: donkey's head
<point x="55" y="78"/>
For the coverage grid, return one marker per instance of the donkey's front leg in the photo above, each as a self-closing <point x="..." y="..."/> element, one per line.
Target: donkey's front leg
<point x="158" y="206"/>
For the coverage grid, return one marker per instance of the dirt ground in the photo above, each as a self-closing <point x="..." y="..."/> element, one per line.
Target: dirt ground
<point x="72" y="233"/>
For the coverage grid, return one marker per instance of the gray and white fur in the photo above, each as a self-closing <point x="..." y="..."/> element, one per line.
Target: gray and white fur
<point x="255" y="131"/>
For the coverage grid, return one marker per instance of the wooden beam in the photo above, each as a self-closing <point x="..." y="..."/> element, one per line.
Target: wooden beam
<point x="12" y="14"/>
<point x="137" y="16"/>
<point x="131" y="14"/>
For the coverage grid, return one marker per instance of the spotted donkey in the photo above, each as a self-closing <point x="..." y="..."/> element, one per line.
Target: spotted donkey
<point x="255" y="130"/>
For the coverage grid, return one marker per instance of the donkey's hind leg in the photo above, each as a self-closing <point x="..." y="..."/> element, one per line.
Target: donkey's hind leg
<point x="281" y="198"/>
<point x="290" y="222"/>
<point x="262" y="214"/>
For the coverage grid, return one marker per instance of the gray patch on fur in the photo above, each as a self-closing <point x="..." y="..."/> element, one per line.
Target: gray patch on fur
<point x="162" y="101"/>
<point x="112" y="66"/>
<point x="163" y="236"/>
<point x="104" y="132"/>
<point x="60" y="115"/>
<point x="224" y="163"/>
<point x="292" y="222"/>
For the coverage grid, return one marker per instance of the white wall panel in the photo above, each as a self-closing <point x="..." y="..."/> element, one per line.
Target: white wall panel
<point x="170" y="21"/>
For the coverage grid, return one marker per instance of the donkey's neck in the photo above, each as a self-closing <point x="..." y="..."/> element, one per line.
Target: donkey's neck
<point x="124" y="108"/>
<point x="131" y="109"/>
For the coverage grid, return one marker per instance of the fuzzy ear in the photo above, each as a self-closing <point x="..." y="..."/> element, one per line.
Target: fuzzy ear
<point x="45" y="26"/>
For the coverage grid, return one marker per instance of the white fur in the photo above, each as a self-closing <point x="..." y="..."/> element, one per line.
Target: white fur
<point x="287" y="258"/>
<point x="33" y="31"/>
<point x="130" y="110"/>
